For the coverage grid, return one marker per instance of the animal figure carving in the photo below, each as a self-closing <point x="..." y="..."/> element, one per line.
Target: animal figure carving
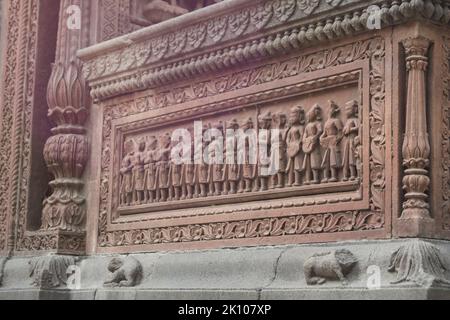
<point x="124" y="273"/>
<point x="329" y="266"/>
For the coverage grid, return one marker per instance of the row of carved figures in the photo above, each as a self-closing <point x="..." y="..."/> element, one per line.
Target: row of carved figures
<point x="310" y="152"/>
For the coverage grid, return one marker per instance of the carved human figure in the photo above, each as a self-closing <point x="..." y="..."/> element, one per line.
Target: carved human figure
<point x="280" y="122"/>
<point x="126" y="183"/>
<point x="150" y="170"/>
<point x="232" y="172"/>
<point x="189" y="176"/>
<point x="176" y="178"/>
<point x="138" y="175"/>
<point x="248" y="168"/>
<point x="330" y="142"/>
<point x="294" y="141"/>
<point x="351" y="132"/>
<point x="265" y="124"/>
<point x="312" y="162"/>
<point x="163" y="168"/>
<point x="216" y="166"/>
<point x="202" y="172"/>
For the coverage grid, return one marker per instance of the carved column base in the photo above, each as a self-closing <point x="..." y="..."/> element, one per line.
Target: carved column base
<point x="57" y="242"/>
<point x="65" y="214"/>
<point x="50" y="272"/>
<point x="416" y="228"/>
<point x="419" y="262"/>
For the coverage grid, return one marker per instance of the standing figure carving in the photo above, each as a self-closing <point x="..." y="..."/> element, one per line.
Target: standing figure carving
<point x="139" y="174"/>
<point x="176" y="178"/>
<point x="232" y="170"/>
<point x="330" y="141"/>
<point x="189" y="176"/>
<point x="244" y="151"/>
<point x="351" y="132"/>
<point x="126" y="183"/>
<point x="163" y="168"/>
<point x="202" y="171"/>
<point x="265" y="124"/>
<point x="216" y="166"/>
<point x="150" y="170"/>
<point x="279" y="165"/>
<point x="294" y="141"/>
<point x="311" y="146"/>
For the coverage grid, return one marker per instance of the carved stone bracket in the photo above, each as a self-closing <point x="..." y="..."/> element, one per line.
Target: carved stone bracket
<point x="416" y="146"/>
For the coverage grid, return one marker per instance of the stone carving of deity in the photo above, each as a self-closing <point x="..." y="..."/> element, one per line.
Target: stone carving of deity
<point x="248" y="168"/>
<point x="232" y="170"/>
<point x="265" y="124"/>
<point x="294" y="146"/>
<point x="330" y="142"/>
<point x="126" y="183"/>
<point x="163" y="168"/>
<point x="351" y="132"/>
<point x="312" y="163"/>
<point x="138" y="174"/>
<point x="150" y="170"/>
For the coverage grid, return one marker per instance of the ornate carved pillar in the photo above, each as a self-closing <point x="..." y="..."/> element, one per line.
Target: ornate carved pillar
<point x="415" y="218"/>
<point x="66" y="152"/>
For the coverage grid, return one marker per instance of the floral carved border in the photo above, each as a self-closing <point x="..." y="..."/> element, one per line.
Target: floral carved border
<point x="372" y="50"/>
<point x="446" y="136"/>
<point x="16" y="114"/>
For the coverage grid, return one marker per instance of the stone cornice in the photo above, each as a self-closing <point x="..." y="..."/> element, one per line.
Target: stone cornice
<point x="234" y="33"/>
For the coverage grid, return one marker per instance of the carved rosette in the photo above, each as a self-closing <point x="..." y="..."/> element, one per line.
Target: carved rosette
<point x="416" y="145"/>
<point x="66" y="152"/>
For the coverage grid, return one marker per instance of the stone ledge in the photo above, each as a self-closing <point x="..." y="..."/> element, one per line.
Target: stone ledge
<point x="247" y="273"/>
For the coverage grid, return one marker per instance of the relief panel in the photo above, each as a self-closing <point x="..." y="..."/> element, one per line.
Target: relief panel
<point x="328" y="109"/>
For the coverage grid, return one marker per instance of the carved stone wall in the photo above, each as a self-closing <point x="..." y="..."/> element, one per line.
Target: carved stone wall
<point x="252" y="61"/>
<point x="349" y="72"/>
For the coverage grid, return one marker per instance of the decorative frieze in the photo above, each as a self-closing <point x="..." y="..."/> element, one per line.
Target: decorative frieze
<point x="133" y="66"/>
